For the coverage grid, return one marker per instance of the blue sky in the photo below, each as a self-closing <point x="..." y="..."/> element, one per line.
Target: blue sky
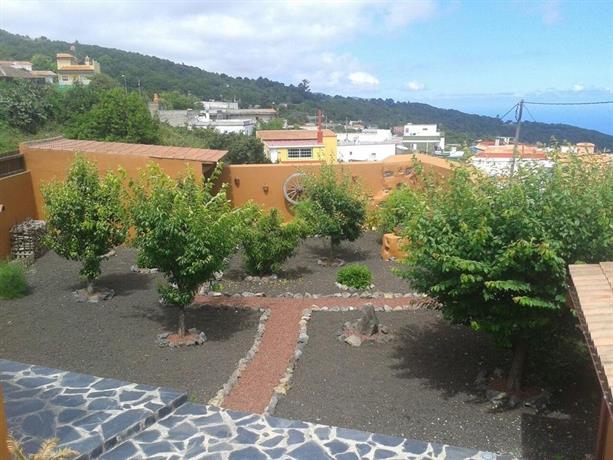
<point x="474" y="55"/>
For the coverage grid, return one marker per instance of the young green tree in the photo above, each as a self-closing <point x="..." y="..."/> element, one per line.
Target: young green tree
<point x="184" y="229"/>
<point x="494" y="251"/>
<point x="85" y="216"/>
<point x="268" y="242"/>
<point x="334" y="205"/>
<point x="25" y="105"/>
<point x="117" y="117"/>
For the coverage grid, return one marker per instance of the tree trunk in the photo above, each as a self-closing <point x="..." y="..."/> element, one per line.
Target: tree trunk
<point x="90" y="287"/>
<point x="181" y="321"/>
<point x="520" y="349"/>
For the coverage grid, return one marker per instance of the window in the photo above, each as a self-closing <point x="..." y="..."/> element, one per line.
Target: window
<point x="64" y="77"/>
<point x="300" y="152"/>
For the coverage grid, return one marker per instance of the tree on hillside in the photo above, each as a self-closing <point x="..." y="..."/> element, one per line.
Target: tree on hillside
<point x="43" y="62"/>
<point x="304" y="85"/>
<point x="185" y="230"/>
<point x="275" y="123"/>
<point x="334" y="205"/>
<point x="241" y="148"/>
<point x="85" y="217"/>
<point x="176" y="100"/>
<point x="117" y="117"/>
<point x="494" y="251"/>
<point x="25" y="105"/>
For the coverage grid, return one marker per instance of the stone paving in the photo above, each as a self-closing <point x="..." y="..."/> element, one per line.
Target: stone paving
<point x="207" y="432"/>
<point x="109" y="419"/>
<point x="88" y="414"/>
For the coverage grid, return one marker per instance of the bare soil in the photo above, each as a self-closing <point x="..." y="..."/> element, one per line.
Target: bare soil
<point x="117" y="338"/>
<point x="421" y="386"/>
<point x="301" y="273"/>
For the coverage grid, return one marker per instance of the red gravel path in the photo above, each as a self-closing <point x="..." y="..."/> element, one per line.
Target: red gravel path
<point x="254" y="389"/>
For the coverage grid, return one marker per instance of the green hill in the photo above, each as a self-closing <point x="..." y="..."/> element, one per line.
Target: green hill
<point x="158" y="75"/>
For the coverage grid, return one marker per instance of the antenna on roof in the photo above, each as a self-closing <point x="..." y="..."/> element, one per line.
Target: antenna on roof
<point x="320" y="134"/>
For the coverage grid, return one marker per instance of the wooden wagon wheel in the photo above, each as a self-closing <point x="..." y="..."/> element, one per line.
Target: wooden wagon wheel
<point x="293" y="188"/>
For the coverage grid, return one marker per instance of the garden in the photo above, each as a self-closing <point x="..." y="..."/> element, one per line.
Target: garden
<point x="465" y="341"/>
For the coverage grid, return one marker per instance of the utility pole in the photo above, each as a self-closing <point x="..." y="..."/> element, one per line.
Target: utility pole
<point x="125" y="83"/>
<point x="518" y="114"/>
<point x="140" y="92"/>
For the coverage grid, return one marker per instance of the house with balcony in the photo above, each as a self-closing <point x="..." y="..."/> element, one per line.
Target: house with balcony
<point x="423" y="138"/>
<point x="70" y="71"/>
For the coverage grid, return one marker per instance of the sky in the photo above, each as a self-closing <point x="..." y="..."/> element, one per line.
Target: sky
<point x="478" y="56"/>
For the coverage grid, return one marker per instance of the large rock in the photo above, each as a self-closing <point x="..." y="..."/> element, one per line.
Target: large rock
<point x="368" y="324"/>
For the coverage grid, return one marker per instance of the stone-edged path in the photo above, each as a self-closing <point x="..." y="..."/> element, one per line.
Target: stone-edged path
<point x="255" y="387"/>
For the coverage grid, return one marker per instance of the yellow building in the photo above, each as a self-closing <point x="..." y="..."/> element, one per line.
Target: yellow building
<point x="286" y="145"/>
<point x="70" y="71"/>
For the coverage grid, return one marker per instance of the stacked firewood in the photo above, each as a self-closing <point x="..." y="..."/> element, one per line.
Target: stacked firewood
<point x="27" y="239"/>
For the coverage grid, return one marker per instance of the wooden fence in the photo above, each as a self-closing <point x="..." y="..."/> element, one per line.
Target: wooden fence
<point x="12" y="164"/>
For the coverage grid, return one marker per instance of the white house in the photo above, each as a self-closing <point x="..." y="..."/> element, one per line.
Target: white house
<point x="203" y="120"/>
<point x="423" y="138"/>
<point x="497" y="161"/>
<point x="368" y="145"/>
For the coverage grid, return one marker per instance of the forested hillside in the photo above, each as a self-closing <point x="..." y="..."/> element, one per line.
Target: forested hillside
<point x="156" y="75"/>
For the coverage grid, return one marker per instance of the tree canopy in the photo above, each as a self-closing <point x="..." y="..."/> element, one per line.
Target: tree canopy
<point x="85" y="216"/>
<point x="184" y="229"/>
<point x="494" y="251"/>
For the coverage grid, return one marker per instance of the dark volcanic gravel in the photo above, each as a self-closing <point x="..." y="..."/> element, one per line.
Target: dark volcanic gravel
<point x="301" y="273"/>
<point x="116" y="338"/>
<point x="421" y="386"/>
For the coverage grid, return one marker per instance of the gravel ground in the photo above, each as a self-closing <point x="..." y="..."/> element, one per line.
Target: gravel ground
<point x="421" y="386"/>
<point x="116" y="338"/>
<point x="301" y="273"/>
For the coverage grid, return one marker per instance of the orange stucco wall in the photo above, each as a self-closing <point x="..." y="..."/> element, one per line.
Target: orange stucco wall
<point x="264" y="183"/>
<point x="48" y="165"/>
<point x="18" y="204"/>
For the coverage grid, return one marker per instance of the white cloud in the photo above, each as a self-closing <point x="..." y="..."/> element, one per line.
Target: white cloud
<point x="284" y="41"/>
<point x="578" y="87"/>
<point x="363" y="79"/>
<point x="415" y="86"/>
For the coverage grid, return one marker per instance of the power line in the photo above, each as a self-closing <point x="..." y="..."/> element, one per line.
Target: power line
<point x="530" y="113"/>
<point x="569" y="103"/>
<point x="508" y="112"/>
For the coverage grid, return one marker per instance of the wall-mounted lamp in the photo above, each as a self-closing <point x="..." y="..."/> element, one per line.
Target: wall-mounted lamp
<point x="2" y="208"/>
<point x="237" y="181"/>
<point x="265" y="188"/>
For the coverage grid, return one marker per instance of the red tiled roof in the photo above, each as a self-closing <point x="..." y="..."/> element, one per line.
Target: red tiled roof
<point x="291" y="134"/>
<point x="297" y="143"/>
<point x="77" y="67"/>
<point x="122" y="148"/>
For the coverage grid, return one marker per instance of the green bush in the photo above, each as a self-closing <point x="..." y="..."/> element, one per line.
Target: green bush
<point x="354" y="275"/>
<point x="13" y="282"/>
<point x="335" y="205"/>
<point x="494" y="250"/>
<point x="268" y="242"/>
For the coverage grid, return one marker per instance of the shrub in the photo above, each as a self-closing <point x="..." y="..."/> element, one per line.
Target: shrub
<point x="183" y="228"/>
<point x="335" y="205"/>
<point x="268" y="242"/>
<point x="13" y="283"/>
<point x="85" y="216"/>
<point x="494" y="251"/>
<point x="395" y="210"/>
<point x="354" y="275"/>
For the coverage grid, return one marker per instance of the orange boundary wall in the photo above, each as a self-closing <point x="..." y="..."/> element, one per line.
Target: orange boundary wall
<point x="17" y="199"/>
<point x="264" y="183"/>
